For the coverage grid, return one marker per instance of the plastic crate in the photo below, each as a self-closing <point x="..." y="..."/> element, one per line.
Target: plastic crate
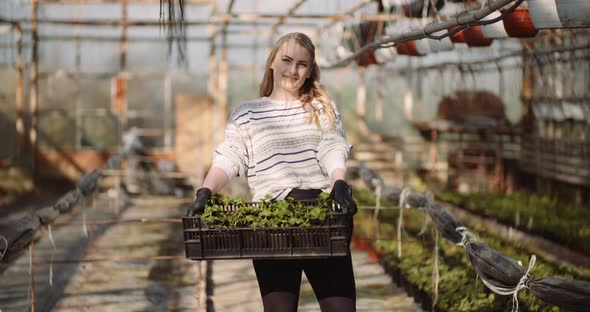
<point x="327" y="240"/>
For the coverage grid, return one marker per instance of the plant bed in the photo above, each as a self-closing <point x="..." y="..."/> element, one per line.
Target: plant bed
<point x="459" y="288"/>
<point x="562" y="223"/>
<point x="233" y="229"/>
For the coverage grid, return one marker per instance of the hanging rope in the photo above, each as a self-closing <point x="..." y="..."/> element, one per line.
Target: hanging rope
<point x="522" y="283"/>
<point x="402" y="203"/>
<point x="378" y="188"/>
<point x="435" y="271"/>
<point x="4" y="249"/>
<point x="52" y="254"/>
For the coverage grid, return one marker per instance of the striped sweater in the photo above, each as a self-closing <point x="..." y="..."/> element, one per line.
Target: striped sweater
<point x="270" y="142"/>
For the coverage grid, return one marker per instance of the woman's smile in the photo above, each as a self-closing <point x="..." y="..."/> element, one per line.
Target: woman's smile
<point x="291" y="66"/>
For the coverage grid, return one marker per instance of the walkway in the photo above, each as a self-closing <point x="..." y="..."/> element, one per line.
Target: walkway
<point x="116" y="276"/>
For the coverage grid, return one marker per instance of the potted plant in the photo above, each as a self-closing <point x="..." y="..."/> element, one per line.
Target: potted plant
<point x="474" y="37"/>
<point x="384" y="55"/>
<point x="359" y="35"/>
<point x="519" y="24"/>
<point x="458" y="37"/>
<point x="444" y="44"/>
<point x="495" y="30"/>
<point x="408" y="48"/>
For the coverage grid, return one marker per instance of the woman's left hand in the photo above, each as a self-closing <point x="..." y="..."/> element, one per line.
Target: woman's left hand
<point x="342" y="194"/>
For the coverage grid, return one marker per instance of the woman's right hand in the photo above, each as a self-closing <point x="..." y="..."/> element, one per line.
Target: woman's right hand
<point x="198" y="205"/>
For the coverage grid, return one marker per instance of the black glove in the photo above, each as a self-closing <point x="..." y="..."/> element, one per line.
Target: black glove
<point x="342" y="194"/>
<point x="198" y="205"/>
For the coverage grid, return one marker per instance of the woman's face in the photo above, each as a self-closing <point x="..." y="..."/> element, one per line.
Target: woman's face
<point x="291" y="66"/>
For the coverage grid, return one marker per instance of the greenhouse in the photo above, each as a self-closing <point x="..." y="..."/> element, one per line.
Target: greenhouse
<point x="257" y="155"/>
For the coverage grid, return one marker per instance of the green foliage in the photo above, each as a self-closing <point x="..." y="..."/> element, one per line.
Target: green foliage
<point x="561" y="222"/>
<point x="459" y="289"/>
<point x="224" y="212"/>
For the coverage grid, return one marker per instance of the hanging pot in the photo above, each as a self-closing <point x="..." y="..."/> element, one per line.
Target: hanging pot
<point x="519" y="24"/>
<point x="366" y="58"/>
<point x="384" y="55"/>
<point x="495" y="30"/>
<point x="415" y="8"/>
<point x="544" y="14"/>
<point x="342" y="52"/>
<point x="423" y="47"/>
<point x="457" y="37"/>
<point x="474" y="37"/>
<point x="444" y="44"/>
<point x="359" y="35"/>
<point x="408" y="48"/>
<point x="450" y="9"/>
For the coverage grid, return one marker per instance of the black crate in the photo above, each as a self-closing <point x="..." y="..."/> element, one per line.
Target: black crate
<point x="327" y="240"/>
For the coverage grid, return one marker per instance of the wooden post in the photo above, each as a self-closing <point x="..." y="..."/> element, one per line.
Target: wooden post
<point x="212" y="83"/>
<point x="221" y="107"/>
<point x="34" y="91"/>
<point x="433" y="148"/>
<point x="117" y="203"/>
<point x="20" y="125"/>
<point x="379" y="94"/>
<point x="361" y="98"/>
<point x="123" y="64"/>
<point x="77" y="75"/>
<point x="527" y="89"/>
<point x="500" y="178"/>
<point x="167" y="111"/>
<point x="32" y="272"/>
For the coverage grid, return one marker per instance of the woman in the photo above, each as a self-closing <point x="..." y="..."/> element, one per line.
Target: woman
<point x="290" y="142"/>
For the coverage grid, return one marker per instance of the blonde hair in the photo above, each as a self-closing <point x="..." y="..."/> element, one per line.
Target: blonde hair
<point x="311" y="89"/>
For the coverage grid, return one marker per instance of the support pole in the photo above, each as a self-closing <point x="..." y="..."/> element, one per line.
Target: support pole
<point x="361" y="99"/>
<point x="168" y="111"/>
<point x="32" y="273"/>
<point x="212" y="86"/>
<point x="34" y="92"/>
<point x="20" y="124"/>
<point x="77" y="76"/>
<point x="223" y="73"/>
<point x="379" y="95"/>
<point x="123" y="66"/>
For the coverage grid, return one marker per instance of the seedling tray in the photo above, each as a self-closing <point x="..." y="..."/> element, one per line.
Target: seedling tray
<point x="321" y="241"/>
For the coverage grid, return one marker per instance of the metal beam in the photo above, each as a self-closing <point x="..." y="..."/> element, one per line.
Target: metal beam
<point x="82" y="2"/>
<point x="346" y="12"/>
<point x="290" y="12"/>
<point x="464" y="20"/>
<point x="234" y="19"/>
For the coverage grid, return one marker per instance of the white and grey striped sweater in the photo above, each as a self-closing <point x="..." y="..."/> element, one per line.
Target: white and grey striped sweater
<point x="271" y="143"/>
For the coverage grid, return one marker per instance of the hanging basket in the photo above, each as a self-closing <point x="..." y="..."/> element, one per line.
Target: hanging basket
<point x="458" y="37"/>
<point x="423" y="47"/>
<point x="518" y="24"/>
<point x="474" y="37"/>
<point x="559" y="13"/>
<point x="415" y="8"/>
<point x="367" y="58"/>
<point x="495" y="30"/>
<point x="361" y="34"/>
<point x="444" y="44"/>
<point x="384" y="55"/>
<point x="544" y="14"/>
<point x="408" y="48"/>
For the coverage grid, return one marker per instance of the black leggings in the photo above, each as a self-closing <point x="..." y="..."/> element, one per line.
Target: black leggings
<point x="332" y="279"/>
